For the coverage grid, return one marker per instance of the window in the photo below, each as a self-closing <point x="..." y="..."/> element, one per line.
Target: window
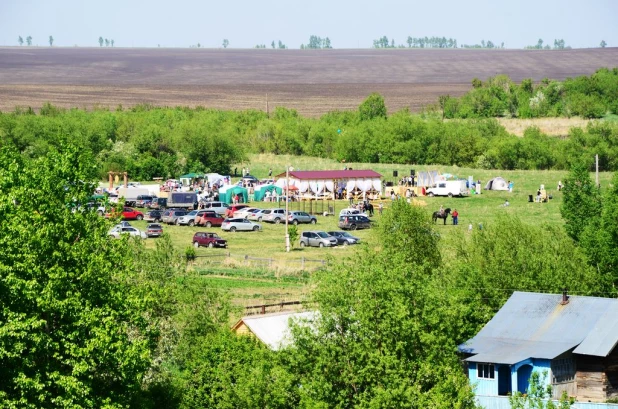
<point x="485" y="371"/>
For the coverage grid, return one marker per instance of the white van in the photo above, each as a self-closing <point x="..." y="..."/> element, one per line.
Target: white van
<point x="449" y="188"/>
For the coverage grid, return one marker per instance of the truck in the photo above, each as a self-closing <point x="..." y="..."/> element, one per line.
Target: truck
<point x="449" y="188"/>
<point x="183" y="200"/>
<point x="130" y="194"/>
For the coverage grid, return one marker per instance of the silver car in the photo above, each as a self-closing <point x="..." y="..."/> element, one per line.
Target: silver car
<point x="172" y="216"/>
<point x="317" y="239"/>
<point x="274" y="216"/>
<point x="239" y="225"/>
<point x="118" y="231"/>
<point x="258" y="215"/>
<point x="296" y="217"/>
<point x="189" y="218"/>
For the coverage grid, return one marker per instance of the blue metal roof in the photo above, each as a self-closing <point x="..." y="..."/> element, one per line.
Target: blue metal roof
<point x="534" y="325"/>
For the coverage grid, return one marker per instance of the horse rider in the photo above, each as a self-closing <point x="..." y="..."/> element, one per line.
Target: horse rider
<point x="442" y="210"/>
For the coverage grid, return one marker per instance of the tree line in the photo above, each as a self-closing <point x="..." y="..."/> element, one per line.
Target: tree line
<point x="587" y="96"/>
<point x="92" y="322"/>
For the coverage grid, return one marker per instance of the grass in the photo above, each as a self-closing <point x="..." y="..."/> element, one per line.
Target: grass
<point x="549" y="126"/>
<point x="270" y="274"/>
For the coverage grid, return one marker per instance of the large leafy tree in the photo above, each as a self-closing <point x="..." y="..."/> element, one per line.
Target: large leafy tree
<point x="71" y="329"/>
<point x="372" y="107"/>
<point x="581" y="201"/>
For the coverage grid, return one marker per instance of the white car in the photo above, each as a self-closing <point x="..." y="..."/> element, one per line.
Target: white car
<point x="239" y="225"/>
<point x="351" y="212"/>
<point x="244" y="213"/>
<point x="117" y="231"/>
<point x="274" y="216"/>
<point x="257" y="215"/>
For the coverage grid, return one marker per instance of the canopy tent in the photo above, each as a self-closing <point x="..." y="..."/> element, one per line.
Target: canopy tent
<point x="189" y="177"/>
<point x="428" y="178"/>
<point x="227" y="195"/>
<point x="323" y="181"/>
<point x="260" y="191"/>
<point x="497" y="183"/>
<point x="216" y="178"/>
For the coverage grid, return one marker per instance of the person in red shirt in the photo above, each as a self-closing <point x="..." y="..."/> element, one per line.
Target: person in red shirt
<point x="455" y="216"/>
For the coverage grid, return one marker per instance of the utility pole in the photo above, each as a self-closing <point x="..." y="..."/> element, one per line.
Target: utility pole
<point x="596" y="175"/>
<point x="287" y="199"/>
<point x="267" y="110"/>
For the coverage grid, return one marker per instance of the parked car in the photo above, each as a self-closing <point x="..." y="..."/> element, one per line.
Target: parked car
<point x="209" y="218"/>
<point x="245" y="212"/>
<point x="449" y="188"/>
<point x="158" y="203"/>
<point x="153" y="216"/>
<point x="250" y="179"/>
<point x="218" y="207"/>
<point x="128" y="213"/>
<point x="154" y="230"/>
<point x="344" y="238"/>
<point x="296" y="217"/>
<point x="274" y="216"/>
<point x="206" y="239"/>
<point x="118" y="231"/>
<point x="144" y="200"/>
<point x="351" y="212"/>
<point x="233" y="209"/>
<point x="257" y="215"/>
<point x="239" y="225"/>
<point x="317" y="239"/>
<point x="171" y="216"/>
<point x="189" y="218"/>
<point x="354" y="222"/>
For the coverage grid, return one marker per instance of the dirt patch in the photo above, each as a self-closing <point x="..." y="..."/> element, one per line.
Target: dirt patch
<point x="550" y="126"/>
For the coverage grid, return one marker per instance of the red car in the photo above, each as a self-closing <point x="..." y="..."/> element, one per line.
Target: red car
<point x="209" y="218"/>
<point x="229" y="212"/>
<point x="205" y="239"/>
<point x="131" y="214"/>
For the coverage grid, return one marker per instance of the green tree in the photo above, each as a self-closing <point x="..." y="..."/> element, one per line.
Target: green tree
<point x="72" y="334"/>
<point x="101" y="41"/>
<point x="51" y="41"/>
<point x="112" y="42"/>
<point x="29" y="40"/>
<point x="603" y="44"/>
<point x="293" y="233"/>
<point x="20" y="40"/>
<point x="581" y="202"/>
<point x="106" y="42"/>
<point x="538" y="396"/>
<point x="272" y="44"/>
<point x="225" y="43"/>
<point x="372" y="107"/>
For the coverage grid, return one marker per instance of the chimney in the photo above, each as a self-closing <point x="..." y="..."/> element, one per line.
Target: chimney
<point x="565" y="297"/>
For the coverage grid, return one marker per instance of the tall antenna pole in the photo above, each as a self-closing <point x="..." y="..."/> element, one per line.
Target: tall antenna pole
<point x="287" y="199"/>
<point x="596" y="176"/>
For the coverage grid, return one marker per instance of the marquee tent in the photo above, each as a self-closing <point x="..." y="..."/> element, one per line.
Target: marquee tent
<point x="260" y="191"/>
<point x="323" y="181"/>
<point x="227" y="193"/>
<point x="497" y="183"/>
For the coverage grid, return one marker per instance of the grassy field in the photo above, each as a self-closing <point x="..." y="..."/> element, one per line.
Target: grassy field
<point x="256" y="269"/>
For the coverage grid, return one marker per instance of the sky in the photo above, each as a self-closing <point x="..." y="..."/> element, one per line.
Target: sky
<point x="347" y="23"/>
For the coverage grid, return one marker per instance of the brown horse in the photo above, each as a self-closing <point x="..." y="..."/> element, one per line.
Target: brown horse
<point x="437" y="215"/>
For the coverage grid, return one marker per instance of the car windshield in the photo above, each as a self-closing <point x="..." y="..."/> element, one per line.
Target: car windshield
<point x="346" y="234"/>
<point x="192" y="213"/>
<point x="154" y="226"/>
<point x="323" y="235"/>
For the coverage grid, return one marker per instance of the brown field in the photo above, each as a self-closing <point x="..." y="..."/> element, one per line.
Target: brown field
<point x="313" y="82"/>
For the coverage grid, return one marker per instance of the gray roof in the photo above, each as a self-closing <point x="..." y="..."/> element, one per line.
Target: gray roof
<point x="534" y="325"/>
<point x="274" y="329"/>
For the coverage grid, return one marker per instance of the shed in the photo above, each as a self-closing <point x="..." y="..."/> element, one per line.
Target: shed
<point x="272" y="329"/>
<point x="572" y="338"/>
<point x="497" y="183"/>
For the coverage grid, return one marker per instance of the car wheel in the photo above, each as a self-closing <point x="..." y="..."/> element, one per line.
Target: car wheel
<point x="208" y="224"/>
<point x="277" y="220"/>
<point x="259" y="219"/>
<point x="295" y="222"/>
<point x="430" y="194"/>
<point x="345" y="243"/>
<point x="302" y="244"/>
<point x="191" y="223"/>
<point x="211" y="244"/>
<point x="176" y="222"/>
<point x="321" y="244"/>
<point x="353" y="227"/>
<point x="140" y="217"/>
<point x="232" y="229"/>
<point x="256" y="228"/>
<point x="313" y="221"/>
<point x="100" y="213"/>
<point x="450" y="195"/>
<point x="196" y="244"/>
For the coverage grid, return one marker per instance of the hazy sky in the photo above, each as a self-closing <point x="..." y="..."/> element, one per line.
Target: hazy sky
<point x="348" y="23"/>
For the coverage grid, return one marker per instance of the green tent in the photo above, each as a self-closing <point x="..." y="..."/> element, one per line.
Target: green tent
<point x="228" y="195"/>
<point x="260" y="192"/>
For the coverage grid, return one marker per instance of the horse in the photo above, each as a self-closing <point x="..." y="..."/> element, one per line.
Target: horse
<point x="437" y="215"/>
<point x="369" y="208"/>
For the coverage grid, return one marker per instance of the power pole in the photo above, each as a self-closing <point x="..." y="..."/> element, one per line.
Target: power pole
<point x="267" y="111"/>
<point x="596" y="175"/>
<point x="287" y="199"/>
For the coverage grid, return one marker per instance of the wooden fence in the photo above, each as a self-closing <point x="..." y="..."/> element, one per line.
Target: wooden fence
<point x="227" y="258"/>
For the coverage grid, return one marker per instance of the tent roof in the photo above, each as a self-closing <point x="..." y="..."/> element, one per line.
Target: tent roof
<point x="191" y="176"/>
<point x="331" y="174"/>
<point x="534" y="325"/>
<point x="274" y="329"/>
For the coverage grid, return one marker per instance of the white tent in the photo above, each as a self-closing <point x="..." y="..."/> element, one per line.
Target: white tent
<point x="497" y="183"/>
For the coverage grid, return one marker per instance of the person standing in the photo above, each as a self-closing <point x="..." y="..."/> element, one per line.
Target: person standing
<point x="270" y="172"/>
<point x="455" y="216"/>
<point x="511" y="184"/>
<point x="380" y="208"/>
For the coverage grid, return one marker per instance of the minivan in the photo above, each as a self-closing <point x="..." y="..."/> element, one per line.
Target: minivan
<point x="171" y="216"/>
<point x="317" y="239"/>
<point x="218" y="207"/>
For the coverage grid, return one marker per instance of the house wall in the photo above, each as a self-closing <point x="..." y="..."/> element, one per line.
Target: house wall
<point x="489" y="387"/>
<point x="563" y="375"/>
<point x="597" y="378"/>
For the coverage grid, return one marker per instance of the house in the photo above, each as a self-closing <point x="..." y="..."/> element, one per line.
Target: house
<point x="272" y="329"/>
<point x="571" y="338"/>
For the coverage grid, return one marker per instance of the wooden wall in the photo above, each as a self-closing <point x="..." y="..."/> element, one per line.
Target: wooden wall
<point x="591" y="379"/>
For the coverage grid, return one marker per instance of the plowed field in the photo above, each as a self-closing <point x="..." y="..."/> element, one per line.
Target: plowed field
<point x="313" y="82"/>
